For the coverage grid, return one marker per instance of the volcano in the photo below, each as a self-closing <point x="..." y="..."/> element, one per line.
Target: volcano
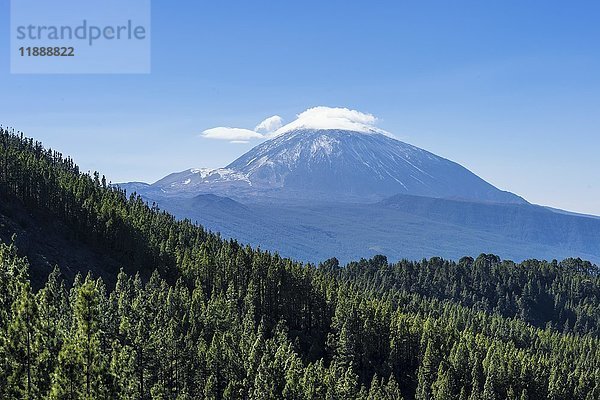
<point x="334" y="164"/>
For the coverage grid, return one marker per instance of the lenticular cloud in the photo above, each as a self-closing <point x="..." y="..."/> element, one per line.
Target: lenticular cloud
<point x="269" y="125"/>
<point x="334" y="118"/>
<point x="234" y="135"/>
<point x="329" y="118"/>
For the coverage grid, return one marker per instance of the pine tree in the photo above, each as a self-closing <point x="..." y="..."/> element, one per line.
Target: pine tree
<point x="443" y="387"/>
<point x="53" y="322"/>
<point x="313" y="381"/>
<point x="87" y="330"/>
<point x="392" y="390"/>
<point x="68" y="381"/>
<point x="376" y="392"/>
<point x="427" y="373"/>
<point x="524" y="395"/>
<point x="489" y="392"/>
<point x="20" y="346"/>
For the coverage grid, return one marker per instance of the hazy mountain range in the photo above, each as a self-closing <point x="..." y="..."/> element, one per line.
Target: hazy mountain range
<point x="312" y="194"/>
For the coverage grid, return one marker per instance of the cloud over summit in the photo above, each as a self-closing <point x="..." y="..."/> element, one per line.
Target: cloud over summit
<point x="334" y="118"/>
<point x="313" y="118"/>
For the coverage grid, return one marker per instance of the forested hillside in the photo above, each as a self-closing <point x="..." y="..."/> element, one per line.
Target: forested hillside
<point x="51" y="187"/>
<point x="194" y="316"/>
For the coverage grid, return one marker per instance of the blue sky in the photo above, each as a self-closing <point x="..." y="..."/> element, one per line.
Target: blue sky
<point x="510" y="90"/>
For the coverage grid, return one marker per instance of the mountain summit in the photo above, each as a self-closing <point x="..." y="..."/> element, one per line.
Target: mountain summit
<point x="343" y="164"/>
<point x="336" y="164"/>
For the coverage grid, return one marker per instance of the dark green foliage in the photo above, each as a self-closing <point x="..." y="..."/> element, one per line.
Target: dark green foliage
<point x="564" y="296"/>
<point x="141" y="238"/>
<point x="216" y="320"/>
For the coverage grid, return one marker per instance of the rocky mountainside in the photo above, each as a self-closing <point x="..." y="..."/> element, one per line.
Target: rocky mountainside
<point x="333" y="164"/>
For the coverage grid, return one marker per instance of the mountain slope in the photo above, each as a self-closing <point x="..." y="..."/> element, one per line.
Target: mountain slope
<point x="60" y="215"/>
<point x="47" y="242"/>
<point x="339" y="163"/>
<point x="399" y="227"/>
<point x="333" y="164"/>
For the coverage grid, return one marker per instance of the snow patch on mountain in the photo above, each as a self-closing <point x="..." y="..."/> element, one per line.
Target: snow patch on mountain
<point x="324" y="145"/>
<point x="219" y="174"/>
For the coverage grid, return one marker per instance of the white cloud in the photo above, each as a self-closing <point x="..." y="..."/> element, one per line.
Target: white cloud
<point x="270" y="124"/>
<point x="334" y="118"/>
<point x="313" y="118"/>
<point x="231" y="134"/>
